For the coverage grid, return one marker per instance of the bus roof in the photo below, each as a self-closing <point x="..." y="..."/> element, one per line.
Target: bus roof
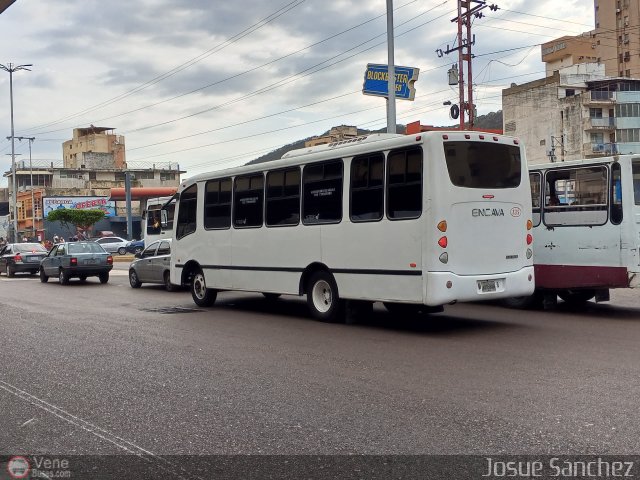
<point x="344" y="148"/>
<point x="582" y="161"/>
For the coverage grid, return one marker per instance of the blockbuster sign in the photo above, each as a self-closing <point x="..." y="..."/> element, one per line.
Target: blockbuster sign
<point x="376" y="80"/>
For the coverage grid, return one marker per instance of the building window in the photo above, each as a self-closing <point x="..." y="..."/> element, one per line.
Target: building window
<point x="595" y="113"/>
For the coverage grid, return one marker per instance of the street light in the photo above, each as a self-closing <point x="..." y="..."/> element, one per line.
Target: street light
<point x="14" y="68"/>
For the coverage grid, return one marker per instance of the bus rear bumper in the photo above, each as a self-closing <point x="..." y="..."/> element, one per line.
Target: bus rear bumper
<point x="447" y="287"/>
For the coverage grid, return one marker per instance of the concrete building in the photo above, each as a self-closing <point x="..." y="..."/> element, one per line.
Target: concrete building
<point x="614" y="41"/>
<point x="574" y="113"/>
<point x="93" y="163"/>
<point x="342" y="132"/>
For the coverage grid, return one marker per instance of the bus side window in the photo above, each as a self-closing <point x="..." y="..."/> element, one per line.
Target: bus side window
<point x="404" y="184"/>
<point x="217" y="203"/>
<point x="636" y="180"/>
<point x="616" y="194"/>
<point x="187" y="212"/>
<point x="322" y="193"/>
<point x="582" y="196"/>
<point x="367" y="194"/>
<point x="248" y="201"/>
<point x="283" y="197"/>
<point x="535" y="179"/>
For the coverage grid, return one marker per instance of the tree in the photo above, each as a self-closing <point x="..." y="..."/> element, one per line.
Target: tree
<point x="81" y="219"/>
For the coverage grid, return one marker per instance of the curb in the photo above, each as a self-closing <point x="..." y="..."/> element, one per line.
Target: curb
<point x="122" y="258"/>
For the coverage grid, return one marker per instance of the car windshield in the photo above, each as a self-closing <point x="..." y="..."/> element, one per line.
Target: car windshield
<point x="76" y="248"/>
<point x="30" y="248"/>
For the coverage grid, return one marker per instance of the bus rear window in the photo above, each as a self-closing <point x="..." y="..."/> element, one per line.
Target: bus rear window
<point x="483" y="164"/>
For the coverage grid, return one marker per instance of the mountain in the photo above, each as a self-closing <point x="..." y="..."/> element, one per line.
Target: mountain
<point x="491" y="120"/>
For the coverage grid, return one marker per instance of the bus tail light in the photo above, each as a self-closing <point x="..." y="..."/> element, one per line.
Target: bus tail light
<point x="443" y="242"/>
<point x="529" y="239"/>
<point x="109" y="260"/>
<point x="73" y="261"/>
<point x="529" y="224"/>
<point x="17" y="258"/>
<point x="442" y="225"/>
<point x="444" y="257"/>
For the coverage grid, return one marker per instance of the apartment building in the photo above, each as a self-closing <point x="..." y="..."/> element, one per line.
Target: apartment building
<point x="614" y="42"/>
<point x="93" y="163"/>
<point x="577" y="112"/>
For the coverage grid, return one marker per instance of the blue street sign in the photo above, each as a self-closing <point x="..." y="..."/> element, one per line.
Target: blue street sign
<point x="376" y="81"/>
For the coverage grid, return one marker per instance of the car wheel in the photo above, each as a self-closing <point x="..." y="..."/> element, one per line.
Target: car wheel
<point x="104" y="277"/>
<point x="322" y="298"/>
<point x="10" y="271"/>
<point x="168" y="286"/>
<point x="133" y="279"/>
<point x="137" y="250"/>
<point x="202" y="296"/>
<point x="44" y="278"/>
<point x="122" y="251"/>
<point x="63" y="277"/>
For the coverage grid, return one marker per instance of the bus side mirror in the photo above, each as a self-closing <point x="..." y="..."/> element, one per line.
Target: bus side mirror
<point x="163" y="218"/>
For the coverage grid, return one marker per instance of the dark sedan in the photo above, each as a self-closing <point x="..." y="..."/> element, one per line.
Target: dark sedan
<point x="21" y="257"/>
<point x="76" y="259"/>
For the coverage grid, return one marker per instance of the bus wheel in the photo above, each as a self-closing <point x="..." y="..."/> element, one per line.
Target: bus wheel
<point x="533" y="301"/>
<point x="576" y="297"/>
<point x="322" y="298"/>
<point x="202" y="296"/>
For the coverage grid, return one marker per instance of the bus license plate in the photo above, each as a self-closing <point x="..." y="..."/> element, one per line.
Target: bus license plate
<point x="487" y="286"/>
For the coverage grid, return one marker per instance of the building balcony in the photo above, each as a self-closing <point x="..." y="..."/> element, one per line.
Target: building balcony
<point x="608" y="123"/>
<point x="597" y="97"/>
<point x="600" y="149"/>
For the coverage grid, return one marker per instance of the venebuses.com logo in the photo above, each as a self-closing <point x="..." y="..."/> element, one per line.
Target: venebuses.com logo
<point x="18" y="467"/>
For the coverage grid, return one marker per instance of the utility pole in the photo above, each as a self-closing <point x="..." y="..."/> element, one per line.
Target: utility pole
<point x="10" y="68"/>
<point x="467" y="10"/>
<point x="391" y="72"/>
<point x="33" y="203"/>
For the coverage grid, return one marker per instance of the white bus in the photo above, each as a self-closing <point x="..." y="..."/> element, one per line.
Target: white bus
<point x="586" y="216"/>
<point x="414" y="221"/>
<point x="157" y="219"/>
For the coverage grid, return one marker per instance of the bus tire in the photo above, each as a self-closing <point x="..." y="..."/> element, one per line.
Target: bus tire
<point x="576" y="297"/>
<point x="527" y="302"/>
<point x="202" y="296"/>
<point x="323" y="299"/>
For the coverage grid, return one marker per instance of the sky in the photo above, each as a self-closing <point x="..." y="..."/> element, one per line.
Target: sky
<point x="210" y="84"/>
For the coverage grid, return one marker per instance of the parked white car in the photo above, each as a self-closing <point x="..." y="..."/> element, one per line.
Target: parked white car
<point x="114" y="244"/>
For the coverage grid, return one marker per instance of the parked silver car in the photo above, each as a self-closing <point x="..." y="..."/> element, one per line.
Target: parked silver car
<point x="152" y="266"/>
<point x="113" y="244"/>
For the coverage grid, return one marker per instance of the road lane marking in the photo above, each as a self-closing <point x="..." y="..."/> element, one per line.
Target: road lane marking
<point x="89" y="427"/>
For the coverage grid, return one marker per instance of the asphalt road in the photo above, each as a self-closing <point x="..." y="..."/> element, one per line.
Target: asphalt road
<point x="99" y="369"/>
